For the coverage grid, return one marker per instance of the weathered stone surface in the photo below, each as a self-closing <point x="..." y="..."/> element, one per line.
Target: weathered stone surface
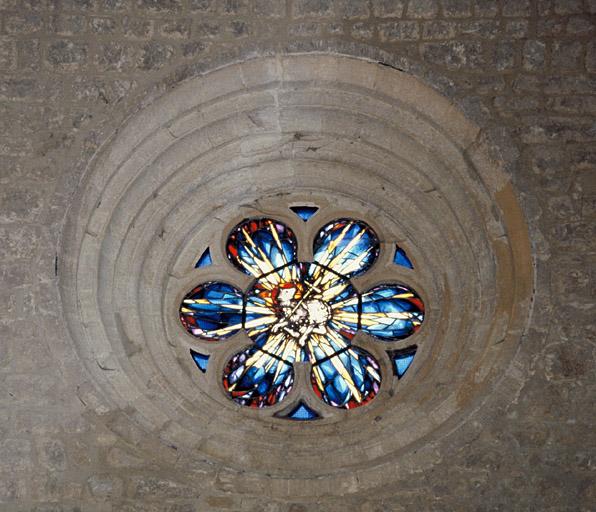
<point x="72" y="72"/>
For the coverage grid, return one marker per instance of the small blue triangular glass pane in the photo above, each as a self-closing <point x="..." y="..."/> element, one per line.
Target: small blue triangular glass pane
<point x="201" y="360"/>
<point x="401" y="258"/>
<point x="205" y="259"/>
<point x="302" y="412"/>
<point x="402" y="359"/>
<point x="304" y="212"/>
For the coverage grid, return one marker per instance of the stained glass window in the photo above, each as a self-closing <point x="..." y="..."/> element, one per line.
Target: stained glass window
<point x="205" y="259"/>
<point x="201" y="360"/>
<point x="297" y="311"/>
<point x="401" y="258"/>
<point x="304" y="212"/>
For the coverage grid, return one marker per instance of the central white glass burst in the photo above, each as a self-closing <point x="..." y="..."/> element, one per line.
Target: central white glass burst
<point x="301" y="318"/>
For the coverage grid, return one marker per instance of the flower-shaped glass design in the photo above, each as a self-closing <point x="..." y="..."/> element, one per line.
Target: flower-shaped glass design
<point x="302" y="312"/>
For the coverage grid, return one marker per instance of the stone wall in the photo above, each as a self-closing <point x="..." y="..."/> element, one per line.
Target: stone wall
<point x="73" y="71"/>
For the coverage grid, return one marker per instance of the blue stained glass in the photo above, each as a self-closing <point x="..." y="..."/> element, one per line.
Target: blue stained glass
<point x="201" y="360"/>
<point x="348" y="379"/>
<point x="260" y="246"/>
<point x="346" y="247"/>
<point x="205" y="259"/>
<point x="304" y="212"/>
<point x="402" y="359"/>
<point x="401" y="258"/>
<point x="302" y="412"/>
<point x="212" y="311"/>
<point x="391" y="312"/>
<point x="257" y="379"/>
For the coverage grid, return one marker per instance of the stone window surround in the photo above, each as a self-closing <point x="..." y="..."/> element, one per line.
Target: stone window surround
<point x="105" y="232"/>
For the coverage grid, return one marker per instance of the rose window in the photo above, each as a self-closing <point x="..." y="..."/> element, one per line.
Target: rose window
<point x="303" y="312"/>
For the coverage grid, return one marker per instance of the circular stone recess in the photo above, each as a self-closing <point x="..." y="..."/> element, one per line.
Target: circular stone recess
<point x="358" y="140"/>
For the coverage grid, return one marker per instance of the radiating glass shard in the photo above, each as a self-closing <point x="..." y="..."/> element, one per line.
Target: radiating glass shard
<point x="301" y="412"/>
<point x="205" y="259"/>
<point x="402" y="359"/>
<point x="257" y="379"/>
<point x="304" y="212"/>
<point x="212" y="311"/>
<point x="347" y="247"/>
<point x="201" y="360"/>
<point x="401" y="258"/>
<point x="347" y="379"/>
<point x="260" y="246"/>
<point x="391" y="312"/>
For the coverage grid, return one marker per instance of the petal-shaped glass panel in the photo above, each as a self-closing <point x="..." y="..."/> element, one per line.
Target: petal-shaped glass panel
<point x="391" y="312"/>
<point x="347" y="379"/>
<point x="257" y="379"/>
<point x="347" y="247"/>
<point x="260" y="246"/>
<point x="212" y="311"/>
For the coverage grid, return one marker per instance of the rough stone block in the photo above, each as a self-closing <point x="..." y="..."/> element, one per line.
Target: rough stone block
<point x="352" y="9"/>
<point x="203" y="5"/>
<point x="485" y="8"/>
<point x="516" y="8"/>
<point x="138" y="28"/>
<point x="160" y="6"/>
<point x="162" y="488"/>
<point x="534" y="55"/>
<point x="484" y="29"/>
<point x="21" y="24"/>
<point x="8" y="54"/>
<point x="548" y="7"/>
<point x="114" y="5"/>
<point x="154" y="55"/>
<point x="113" y="56"/>
<point x="423" y="9"/>
<point x="567" y="54"/>
<point x="102" y="25"/>
<point x="580" y="25"/>
<point x="362" y="31"/>
<point x="320" y="8"/>
<point x="194" y="48"/>
<point x="105" y="486"/>
<point x="15" y="455"/>
<point x="504" y="55"/>
<point x="388" y="8"/>
<point x="439" y="29"/>
<point x="67" y="24"/>
<point x="28" y="54"/>
<point x="236" y="7"/>
<point x="269" y="8"/>
<point x="207" y="29"/>
<point x="306" y="29"/>
<point x="52" y="454"/>
<point x="66" y="54"/>
<point x="179" y="28"/>
<point x="457" y="8"/>
<point x="399" y="31"/>
<point x="455" y="55"/>
<point x="517" y="28"/>
<point x="591" y="56"/>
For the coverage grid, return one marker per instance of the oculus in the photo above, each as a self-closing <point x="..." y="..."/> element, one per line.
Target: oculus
<point x="297" y="311"/>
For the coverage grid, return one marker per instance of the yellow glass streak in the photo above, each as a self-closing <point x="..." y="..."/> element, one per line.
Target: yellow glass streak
<point x="263" y="320"/>
<point x="336" y="361"/>
<point x="224" y="330"/>
<point x="334" y="243"/>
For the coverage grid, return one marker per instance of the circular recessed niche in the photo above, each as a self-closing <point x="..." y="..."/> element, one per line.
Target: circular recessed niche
<point x="252" y="140"/>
